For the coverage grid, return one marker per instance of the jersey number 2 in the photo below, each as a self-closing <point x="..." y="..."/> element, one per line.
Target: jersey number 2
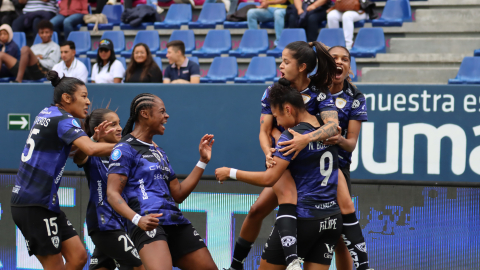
<point x="31" y="144"/>
<point x="126" y="240"/>
<point x="326" y="173"/>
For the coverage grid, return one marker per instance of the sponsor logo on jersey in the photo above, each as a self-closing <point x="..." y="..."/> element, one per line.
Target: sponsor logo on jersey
<point x="325" y="205"/>
<point x="328" y="224"/>
<point x="330" y="249"/>
<point x="349" y="91"/>
<point x="99" y="192"/>
<point x="135" y="253"/>
<point x="152" y="234"/>
<point x="195" y="233"/>
<point x="45" y="111"/>
<point x="130" y="139"/>
<point x="288" y="241"/>
<point x="362" y="247"/>
<point x="264" y="95"/>
<point x="59" y="176"/>
<point x="69" y="223"/>
<point x="355" y="104"/>
<point x="142" y="188"/>
<point x="93" y="261"/>
<point x="75" y="123"/>
<point x="28" y="247"/>
<point x="340" y="103"/>
<point x="114" y="165"/>
<point x="306" y="98"/>
<point x="55" y="241"/>
<point x="321" y="96"/>
<point x="116" y="154"/>
<point x="16" y="189"/>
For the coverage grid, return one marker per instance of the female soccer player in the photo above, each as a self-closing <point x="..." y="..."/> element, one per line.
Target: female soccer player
<point x="315" y="171"/>
<point x="105" y="226"/>
<point x="35" y="203"/>
<point x="160" y="232"/>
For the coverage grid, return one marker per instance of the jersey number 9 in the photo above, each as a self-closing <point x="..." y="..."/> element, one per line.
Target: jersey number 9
<point x="326" y="172"/>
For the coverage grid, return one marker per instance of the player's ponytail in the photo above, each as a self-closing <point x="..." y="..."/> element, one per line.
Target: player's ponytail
<point x="281" y="93"/>
<point x="95" y="118"/>
<point x="64" y="85"/>
<point x="140" y="102"/>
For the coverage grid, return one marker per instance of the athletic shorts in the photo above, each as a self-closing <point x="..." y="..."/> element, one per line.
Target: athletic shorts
<point x="346" y="172"/>
<point x="181" y="239"/>
<point x="35" y="72"/>
<point x="113" y="249"/>
<point x="44" y="230"/>
<point x="316" y="241"/>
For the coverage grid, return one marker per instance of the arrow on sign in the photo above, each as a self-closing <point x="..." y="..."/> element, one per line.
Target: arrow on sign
<point x="24" y="122"/>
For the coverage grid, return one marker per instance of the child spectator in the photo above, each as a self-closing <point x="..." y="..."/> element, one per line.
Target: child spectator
<point x="8" y="47"/>
<point x="180" y="70"/>
<point x="70" y="66"/>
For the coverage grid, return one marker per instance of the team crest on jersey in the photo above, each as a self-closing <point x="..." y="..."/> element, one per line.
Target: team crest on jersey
<point x="340" y="103"/>
<point x="306" y="98"/>
<point x="355" y="104"/>
<point x="157" y="156"/>
<point x="264" y="95"/>
<point x="362" y="247"/>
<point x="152" y="234"/>
<point x="56" y="241"/>
<point x="135" y="253"/>
<point x="321" y="96"/>
<point x="116" y="155"/>
<point x="75" y="123"/>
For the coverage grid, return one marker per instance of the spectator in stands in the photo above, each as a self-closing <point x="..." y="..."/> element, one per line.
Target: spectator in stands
<point x="36" y="61"/>
<point x="34" y="12"/>
<point x="107" y="69"/>
<point x="70" y="15"/>
<point x="180" y="70"/>
<point x="267" y="11"/>
<point x="334" y="17"/>
<point x="7" y="47"/>
<point x="308" y="14"/>
<point x="8" y="11"/>
<point x="142" y="67"/>
<point x="70" y="66"/>
<point x="230" y="5"/>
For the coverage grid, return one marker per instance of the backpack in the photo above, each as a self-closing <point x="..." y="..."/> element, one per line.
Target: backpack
<point x="96" y="19"/>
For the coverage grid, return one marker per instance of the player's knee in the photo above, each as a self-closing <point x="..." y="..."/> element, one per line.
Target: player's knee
<point x="257" y="213"/>
<point x="80" y="258"/>
<point x="347" y="207"/>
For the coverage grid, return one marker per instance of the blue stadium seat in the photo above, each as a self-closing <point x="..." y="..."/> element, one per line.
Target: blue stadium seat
<point x="369" y="42"/>
<point x="331" y="37"/>
<point x="288" y="36"/>
<point x="394" y="13"/>
<point x="82" y="40"/>
<point x="188" y="38"/>
<point x="87" y="63"/>
<point x="77" y="28"/>
<point x="216" y="43"/>
<point x="243" y="24"/>
<point x="142" y="26"/>
<point x="158" y="60"/>
<point x="353" y="67"/>
<point x="260" y="70"/>
<point x="177" y="15"/>
<point x="469" y="72"/>
<point x="253" y="42"/>
<point x="149" y="37"/>
<point x="20" y="39"/>
<point x="114" y="17"/>
<point x="122" y="59"/>
<point x="211" y="15"/>
<point x="223" y="69"/>
<point x="118" y="39"/>
<point x="194" y="59"/>
<point x="39" y="40"/>
<point x="475" y="53"/>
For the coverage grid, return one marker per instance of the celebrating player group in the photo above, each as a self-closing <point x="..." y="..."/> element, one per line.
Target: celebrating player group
<point x="309" y="126"/>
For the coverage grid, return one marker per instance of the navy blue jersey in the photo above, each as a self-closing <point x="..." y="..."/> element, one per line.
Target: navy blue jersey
<point x="315" y="102"/>
<point x="44" y="157"/>
<point x="149" y="174"/>
<point x="351" y="105"/>
<point x="100" y="215"/>
<point x="315" y="171"/>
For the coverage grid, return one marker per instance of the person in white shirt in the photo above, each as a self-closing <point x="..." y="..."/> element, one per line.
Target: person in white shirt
<point x="107" y="69"/>
<point x="70" y="66"/>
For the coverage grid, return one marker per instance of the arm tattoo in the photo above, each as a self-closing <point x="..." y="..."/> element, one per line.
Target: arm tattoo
<point x="329" y="114"/>
<point x="329" y="129"/>
<point x="120" y="201"/>
<point x="261" y="119"/>
<point x="123" y="181"/>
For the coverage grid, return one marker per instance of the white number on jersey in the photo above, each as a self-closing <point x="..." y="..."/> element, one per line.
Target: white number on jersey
<point x="326" y="173"/>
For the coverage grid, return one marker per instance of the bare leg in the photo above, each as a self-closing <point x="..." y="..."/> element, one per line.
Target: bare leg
<point x="315" y="266"/>
<point x="264" y="265"/>
<point x="156" y="256"/>
<point x="27" y="59"/>
<point x="285" y="189"/>
<point x="7" y="59"/>
<point x="342" y="255"/>
<point x="74" y="253"/>
<point x="200" y="259"/>
<point x="139" y="267"/>
<point x="51" y="262"/>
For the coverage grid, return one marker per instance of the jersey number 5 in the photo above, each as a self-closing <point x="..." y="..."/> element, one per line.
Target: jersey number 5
<point x="31" y="144"/>
<point x="326" y="172"/>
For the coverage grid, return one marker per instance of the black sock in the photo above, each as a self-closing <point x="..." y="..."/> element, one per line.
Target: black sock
<point x="353" y="238"/>
<point x="287" y="228"/>
<point x="242" y="248"/>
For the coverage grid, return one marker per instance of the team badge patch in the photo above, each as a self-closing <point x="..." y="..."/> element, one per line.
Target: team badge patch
<point x="135" y="253"/>
<point x="152" y="234"/>
<point x="362" y="247"/>
<point x="340" y="103"/>
<point x="195" y="233"/>
<point x="75" y="123"/>
<point x="55" y="241"/>
<point x="306" y="98"/>
<point x="116" y="154"/>
<point x="264" y="95"/>
<point x="321" y="96"/>
<point x="288" y="241"/>
<point x="355" y="104"/>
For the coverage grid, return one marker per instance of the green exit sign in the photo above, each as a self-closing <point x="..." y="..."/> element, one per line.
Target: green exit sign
<point x="18" y="121"/>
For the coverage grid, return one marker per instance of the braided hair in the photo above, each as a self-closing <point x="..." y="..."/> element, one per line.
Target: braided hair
<point x="140" y="102"/>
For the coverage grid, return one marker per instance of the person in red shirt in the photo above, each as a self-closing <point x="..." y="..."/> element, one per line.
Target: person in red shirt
<point x="70" y="15"/>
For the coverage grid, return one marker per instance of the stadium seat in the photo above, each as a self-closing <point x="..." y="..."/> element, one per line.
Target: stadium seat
<point x="288" y="36"/>
<point x="87" y="63"/>
<point x="149" y="37"/>
<point x="118" y="39"/>
<point x="188" y="38"/>
<point x="39" y="40"/>
<point x="177" y="15"/>
<point x="216" y="43"/>
<point x="469" y="72"/>
<point x="82" y="40"/>
<point x="77" y="28"/>
<point x="353" y="67"/>
<point x="122" y="59"/>
<point x="194" y="59"/>
<point x="211" y="15"/>
<point x="113" y="14"/>
<point x="331" y="37"/>
<point x="223" y="69"/>
<point x="142" y="26"/>
<point x="368" y="43"/>
<point x="244" y="24"/>
<point x="158" y="60"/>
<point x="260" y="70"/>
<point x="475" y="53"/>
<point x="253" y="42"/>
<point x="21" y="40"/>
<point x="394" y="13"/>
<point x="267" y="25"/>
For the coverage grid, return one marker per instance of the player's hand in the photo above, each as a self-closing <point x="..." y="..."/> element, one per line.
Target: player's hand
<point x="335" y="139"/>
<point x="149" y="222"/>
<point x="205" y="148"/>
<point x="264" y="4"/>
<point x="101" y="130"/>
<point x="222" y="174"/>
<point x="269" y="158"/>
<point x="294" y="145"/>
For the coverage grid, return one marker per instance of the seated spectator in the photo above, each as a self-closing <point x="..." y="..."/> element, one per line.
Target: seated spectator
<point x="230" y="5"/>
<point x="70" y="66"/>
<point x="70" y="15"/>
<point x="269" y="10"/>
<point x="107" y="69"/>
<point x="180" y="70"/>
<point x="334" y="17"/>
<point x="34" y="12"/>
<point x="9" y="10"/>
<point x="308" y="14"/>
<point x="142" y="67"/>
<point x="8" y="47"/>
<point x="36" y="61"/>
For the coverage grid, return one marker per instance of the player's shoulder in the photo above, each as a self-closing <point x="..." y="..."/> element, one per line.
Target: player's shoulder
<point x="352" y="91"/>
<point x="301" y="128"/>
<point x="266" y="93"/>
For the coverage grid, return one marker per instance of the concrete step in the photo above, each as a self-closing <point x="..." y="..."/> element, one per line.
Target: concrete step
<point x="434" y="45"/>
<point x="414" y="58"/>
<point x="453" y="16"/>
<point x="438" y="3"/>
<point x="431" y="28"/>
<point x="393" y="75"/>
